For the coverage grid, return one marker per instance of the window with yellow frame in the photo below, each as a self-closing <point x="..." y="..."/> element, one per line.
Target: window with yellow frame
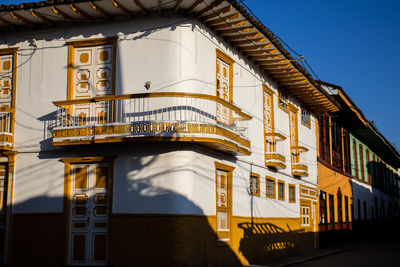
<point x="254" y="184"/>
<point x="281" y="190"/>
<point x="292" y="193"/>
<point x="305" y="117"/>
<point x="270" y="187"/>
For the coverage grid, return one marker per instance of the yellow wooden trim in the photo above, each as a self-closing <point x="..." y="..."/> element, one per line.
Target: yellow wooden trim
<point x="110" y="130"/>
<point x="83" y="43"/>
<point x="303" y="148"/>
<point x="299" y="173"/>
<point x="23" y="19"/>
<point x="268" y="89"/>
<point x="281" y="182"/>
<point x="274" y="186"/>
<point x="90" y="159"/>
<point x="258" y="184"/>
<point x="92" y="42"/>
<point x="230" y="62"/>
<point x="270" y="92"/>
<point x="12" y="51"/>
<point x="293" y="107"/>
<point x="97" y="8"/>
<point x="292" y="186"/>
<point x="224" y="57"/>
<point x="275" y="164"/>
<point x="223" y="166"/>
<point x="280" y="136"/>
<point x="301" y="119"/>
<point x="67" y="194"/>
<point x="229" y="169"/>
<point x="308" y="187"/>
<point x="121" y="7"/>
<point x="305" y="202"/>
<point x="70" y="72"/>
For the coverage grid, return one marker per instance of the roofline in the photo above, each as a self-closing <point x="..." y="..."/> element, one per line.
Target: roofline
<point x="271" y="36"/>
<point x="27" y="6"/>
<point x="328" y="103"/>
<point x="367" y="123"/>
<point x="349" y="102"/>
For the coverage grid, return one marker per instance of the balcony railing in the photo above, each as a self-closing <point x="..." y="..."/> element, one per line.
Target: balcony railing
<point x="6" y="136"/>
<point x="275" y="150"/>
<point x="299" y="161"/>
<point x="153" y="117"/>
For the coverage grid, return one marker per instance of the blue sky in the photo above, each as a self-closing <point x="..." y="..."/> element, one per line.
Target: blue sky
<point x="353" y="44"/>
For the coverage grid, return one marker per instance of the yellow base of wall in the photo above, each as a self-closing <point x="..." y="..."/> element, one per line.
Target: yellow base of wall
<point x="163" y="240"/>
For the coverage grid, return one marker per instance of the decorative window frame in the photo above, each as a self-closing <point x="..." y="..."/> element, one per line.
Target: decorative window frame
<point x="303" y="215"/>
<point x="68" y="165"/>
<point x="267" y="178"/>
<point x="12" y="51"/>
<point x="283" y="183"/>
<point x="230" y="62"/>
<point x="229" y="170"/>
<point x="83" y="43"/>
<point x="290" y="186"/>
<point x="258" y="193"/>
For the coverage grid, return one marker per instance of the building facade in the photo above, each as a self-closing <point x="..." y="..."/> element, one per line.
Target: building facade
<point x="357" y="173"/>
<point x="152" y="132"/>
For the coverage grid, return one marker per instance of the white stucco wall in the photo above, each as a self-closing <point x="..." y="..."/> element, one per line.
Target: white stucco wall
<point x="179" y="57"/>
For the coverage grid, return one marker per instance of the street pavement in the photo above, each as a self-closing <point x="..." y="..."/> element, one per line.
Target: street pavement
<point x="375" y="251"/>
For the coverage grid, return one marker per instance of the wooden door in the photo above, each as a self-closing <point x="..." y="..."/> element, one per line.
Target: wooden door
<point x="6" y="88"/>
<point x="293" y="126"/>
<point x="224" y="208"/>
<point x="92" y="76"/>
<point x="223" y="91"/>
<point x="89" y="209"/>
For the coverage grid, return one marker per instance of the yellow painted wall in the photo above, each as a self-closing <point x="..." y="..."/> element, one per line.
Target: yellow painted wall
<point x="163" y="240"/>
<point x="330" y="181"/>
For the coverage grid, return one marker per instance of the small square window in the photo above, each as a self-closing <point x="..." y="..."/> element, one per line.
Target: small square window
<point x="305" y="118"/>
<point x="270" y="187"/>
<point x="292" y="193"/>
<point x="254" y="184"/>
<point x="281" y="190"/>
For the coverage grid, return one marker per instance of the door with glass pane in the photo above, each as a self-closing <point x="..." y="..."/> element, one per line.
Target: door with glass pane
<point x="89" y="209"/>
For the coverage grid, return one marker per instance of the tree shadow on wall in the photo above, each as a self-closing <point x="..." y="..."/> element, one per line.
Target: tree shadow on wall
<point x="150" y="225"/>
<point x="262" y="242"/>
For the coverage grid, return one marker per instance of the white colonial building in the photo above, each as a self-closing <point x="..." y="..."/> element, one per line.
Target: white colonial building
<point x="153" y="133"/>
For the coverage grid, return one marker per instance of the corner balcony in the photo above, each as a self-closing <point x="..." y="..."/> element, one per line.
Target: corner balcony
<point x="275" y="150"/>
<point x="153" y="117"/>
<point x="299" y="161"/>
<point x="6" y="136"/>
